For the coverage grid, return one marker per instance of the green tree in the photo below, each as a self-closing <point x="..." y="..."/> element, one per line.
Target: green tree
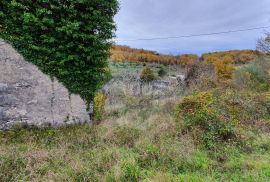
<point x="66" y="39"/>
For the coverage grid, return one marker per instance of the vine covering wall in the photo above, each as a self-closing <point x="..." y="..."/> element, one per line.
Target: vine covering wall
<point x="66" y="39"/>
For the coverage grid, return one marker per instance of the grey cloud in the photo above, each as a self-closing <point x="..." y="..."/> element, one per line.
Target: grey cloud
<point x="159" y="18"/>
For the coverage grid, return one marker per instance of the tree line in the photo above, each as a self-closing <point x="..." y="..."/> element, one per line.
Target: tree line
<point x="121" y="53"/>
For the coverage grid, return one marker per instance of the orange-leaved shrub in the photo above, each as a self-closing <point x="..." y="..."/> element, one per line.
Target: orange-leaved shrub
<point x="188" y="59"/>
<point x="224" y="68"/>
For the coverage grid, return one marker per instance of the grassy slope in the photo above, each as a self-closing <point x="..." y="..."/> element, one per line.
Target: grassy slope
<point x="140" y="142"/>
<point x="118" y="68"/>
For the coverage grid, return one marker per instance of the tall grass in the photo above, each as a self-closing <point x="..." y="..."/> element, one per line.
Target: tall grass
<point x="144" y="139"/>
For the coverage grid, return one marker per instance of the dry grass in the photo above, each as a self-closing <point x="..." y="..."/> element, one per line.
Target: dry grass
<point x="141" y="140"/>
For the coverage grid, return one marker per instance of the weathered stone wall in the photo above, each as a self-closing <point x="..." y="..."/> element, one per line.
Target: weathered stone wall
<point x="27" y="96"/>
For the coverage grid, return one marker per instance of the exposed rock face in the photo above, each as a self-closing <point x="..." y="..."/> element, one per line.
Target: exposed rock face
<point x="29" y="97"/>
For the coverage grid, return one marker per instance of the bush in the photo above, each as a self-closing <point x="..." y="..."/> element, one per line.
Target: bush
<point x="245" y="57"/>
<point x="252" y="75"/>
<point x="147" y="74"/>
<point x="188" y="59"/>
<point x="68" y="40"/>
<point x="198" y="113"/>
<point x="224" y="69"/>
<point x="99" y="104"/>
<point x="161" y="72"/>
<point x="243" y="107"/>
<point x="194" y="103"/>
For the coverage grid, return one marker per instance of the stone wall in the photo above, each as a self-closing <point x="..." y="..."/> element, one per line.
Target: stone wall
<point x="29" y="97"/>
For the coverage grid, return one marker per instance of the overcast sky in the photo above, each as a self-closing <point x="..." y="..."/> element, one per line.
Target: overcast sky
<point x="162" y="18"/>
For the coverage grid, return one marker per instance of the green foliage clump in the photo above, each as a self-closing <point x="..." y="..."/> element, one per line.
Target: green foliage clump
<point x="68" y="40"/>
<point x="253" y="75"/>
<point x="198" y="114"/>
<point x="161" y="72"/>
<point x="223" y="115"/>
<point x="243" y="107"/>
<point x="147" y="74"/>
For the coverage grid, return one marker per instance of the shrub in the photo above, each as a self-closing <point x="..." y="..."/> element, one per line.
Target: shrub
<point x="188" y="59"/>
<point x="223" y="115"/>
<point x="161" y="72"/>
<point x="252" y="75"/>
<point x="147" y="74"/>
<point x="68" y="40"/>
<point x="197" y="72"/>
<point x="198" y="113"/>
<point x="194" y="103"/>
<point x="224" y="69"/>
<point x="243" y="107"/>
<point x="210" y="59"/>
<point x="245" y="57"/>
<point x="99" y="104"/>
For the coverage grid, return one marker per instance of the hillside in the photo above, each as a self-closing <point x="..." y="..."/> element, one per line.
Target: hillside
<point x="127" y="54"/>
<point x="238" y="56"/>
<point x="215" y="129"/>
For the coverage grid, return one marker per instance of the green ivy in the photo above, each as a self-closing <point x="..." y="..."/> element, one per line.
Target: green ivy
<point x="66" y="39"/>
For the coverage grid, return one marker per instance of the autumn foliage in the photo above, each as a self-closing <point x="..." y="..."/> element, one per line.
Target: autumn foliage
<point x="225" y="62"/>
<point x="127" y="54"/>
<point x="188" y="59"/>
<point x="224" y="68"/>
<point x="238" y="56"/>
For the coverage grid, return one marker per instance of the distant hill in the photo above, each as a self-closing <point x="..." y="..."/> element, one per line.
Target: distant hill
<point x="121" y="53"/>
<point x="237" y="56"/>
<point x="127" y="54"/>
